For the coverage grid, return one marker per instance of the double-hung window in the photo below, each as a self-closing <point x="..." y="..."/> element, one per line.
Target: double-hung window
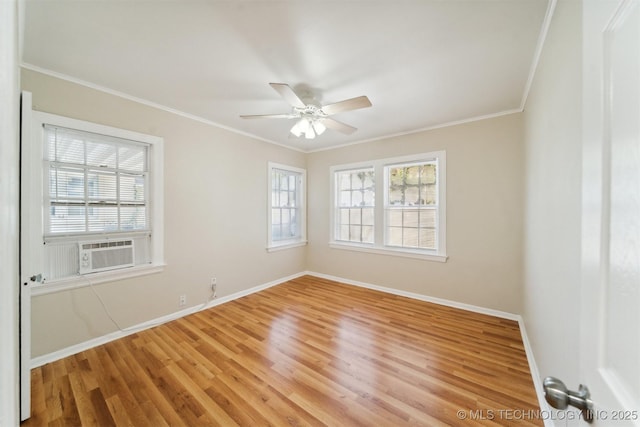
<point x="97" y="184"/>
<point x="411" y="205"/>
<point x="355" y="204"/>
<point x="287" y="207"/>
<point x="100" y="200"/>
<point x="410" y="218"/>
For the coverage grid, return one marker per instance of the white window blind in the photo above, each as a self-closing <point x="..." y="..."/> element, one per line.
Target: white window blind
<point x="96" y="184"/>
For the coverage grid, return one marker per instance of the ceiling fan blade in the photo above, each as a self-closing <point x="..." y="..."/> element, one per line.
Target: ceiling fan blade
<point x="339" y="126"/>
<point x="288" y="94"/>
<point x="347" y="105"/>
<point x="269" y="116"/>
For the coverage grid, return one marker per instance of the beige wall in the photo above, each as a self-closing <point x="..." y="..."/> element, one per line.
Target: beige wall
<point x="553" y="203"/>
<point x="212" y="227"/>
<point x="484" y="216"/>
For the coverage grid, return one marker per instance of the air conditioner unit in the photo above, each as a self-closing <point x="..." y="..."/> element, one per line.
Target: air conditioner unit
<point x="105" y="255"/>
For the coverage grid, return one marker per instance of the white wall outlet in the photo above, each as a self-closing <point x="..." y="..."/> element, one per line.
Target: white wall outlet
<point x="214" y="284"/>
<point x="183" y="300"/>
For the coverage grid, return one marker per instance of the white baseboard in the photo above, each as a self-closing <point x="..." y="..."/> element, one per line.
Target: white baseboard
<point x="77" y="348"/>
<point x="533" y="367"/>
<point x="535" y="376"/>
<point x="412" y="295"/>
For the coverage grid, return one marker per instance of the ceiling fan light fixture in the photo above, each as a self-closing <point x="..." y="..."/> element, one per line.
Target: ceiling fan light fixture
<point x="319" y="127"/>
<point x="300" y="127"/>
<point x="310" y="133"/>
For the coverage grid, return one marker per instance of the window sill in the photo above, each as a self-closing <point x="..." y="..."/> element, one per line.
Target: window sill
<point x="286" y="245"/>
<point x="406" y="253"/>
<point x="79" y="281"/>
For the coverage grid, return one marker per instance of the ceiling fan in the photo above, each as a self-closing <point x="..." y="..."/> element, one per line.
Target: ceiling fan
<point x="313" y="118"/>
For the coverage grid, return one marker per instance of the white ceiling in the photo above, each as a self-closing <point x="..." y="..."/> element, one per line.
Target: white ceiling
<point x="422" y="63"/>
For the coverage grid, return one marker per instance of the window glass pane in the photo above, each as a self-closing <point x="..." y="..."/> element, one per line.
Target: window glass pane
<point x="428" y="174"/>
<point x="67" y="219"/>
<point x="101" y="186"/>
<point x="428" y="194"/>
<point x="367" y="234"/>
<point x="354" y="233"/>
<point x="344" y="216"/>
<point x="410" y="237"/>
<point x="344" y="181"/>
<point x="283" y="185"/>
<point x="133" y="218"/>
<point x="427" y="217"/>
<point x="132" y="188"/>
<point x="428" y="238"/>
<point x="411" y="195"/>
<point x="345" y="198"/>
<point x="275" y="216"/>
<point x="412" y="175"/>
<point x="394" y="236"/>
<point x="103" y="218"/>
<point x="410" y="219"/>
<point x="343" y="232"/>
<point x="69" y="149"/>
<point x="357" y="180"/>
<point x="101" y="154"/>
<point x="66" y="184"/>
<point x="354" y="217"/>
<point x="276" y="232"/>
<point x="367" y="216"/>
<point x="394" y="217"/>
<point x="132" y="158"/>
<point x="369" y="198"/>
<point x="283" y="199"/>
<point x="356" y="198"/>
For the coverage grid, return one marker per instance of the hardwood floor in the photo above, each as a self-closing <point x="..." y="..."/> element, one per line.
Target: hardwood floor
<point x="306" y="352"/>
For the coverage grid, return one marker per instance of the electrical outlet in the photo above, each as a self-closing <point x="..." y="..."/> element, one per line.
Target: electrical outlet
<point x="214" y="284"/>
<point x="183" y="300"/>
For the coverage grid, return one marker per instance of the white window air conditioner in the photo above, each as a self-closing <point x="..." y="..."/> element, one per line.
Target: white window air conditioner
<point x="105" y="255"/>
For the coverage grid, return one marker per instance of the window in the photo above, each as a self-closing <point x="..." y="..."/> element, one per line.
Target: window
<point x="355" y="205"/>
<point x="411" y="217"/>
<point x="97" y="184"/>
<point x="287" y="207"/>
<point x="100" y="196"/>
<point x="411" y="205"/>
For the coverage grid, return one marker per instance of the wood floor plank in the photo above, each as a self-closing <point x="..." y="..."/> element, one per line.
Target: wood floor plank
<point x="308" y="352"/>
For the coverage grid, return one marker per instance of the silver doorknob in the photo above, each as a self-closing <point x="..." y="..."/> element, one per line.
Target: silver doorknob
<point x="558" y="396"/>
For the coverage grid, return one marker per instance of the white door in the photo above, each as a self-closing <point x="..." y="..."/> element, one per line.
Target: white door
<point x="30" y="243"/>
<point x="610" y="300"/>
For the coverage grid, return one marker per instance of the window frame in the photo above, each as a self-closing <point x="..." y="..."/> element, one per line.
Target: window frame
<point x="301" y="240"/>
<point x="89" y="202"/>
<point x="155" y="201"/>
<point x="379" y="245"/>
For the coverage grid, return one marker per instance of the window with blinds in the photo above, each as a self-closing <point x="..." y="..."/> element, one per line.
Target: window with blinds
<point x="96" y="184"/>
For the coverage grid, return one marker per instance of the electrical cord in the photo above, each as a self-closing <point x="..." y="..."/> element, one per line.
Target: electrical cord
<point x="132" y="328"/>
